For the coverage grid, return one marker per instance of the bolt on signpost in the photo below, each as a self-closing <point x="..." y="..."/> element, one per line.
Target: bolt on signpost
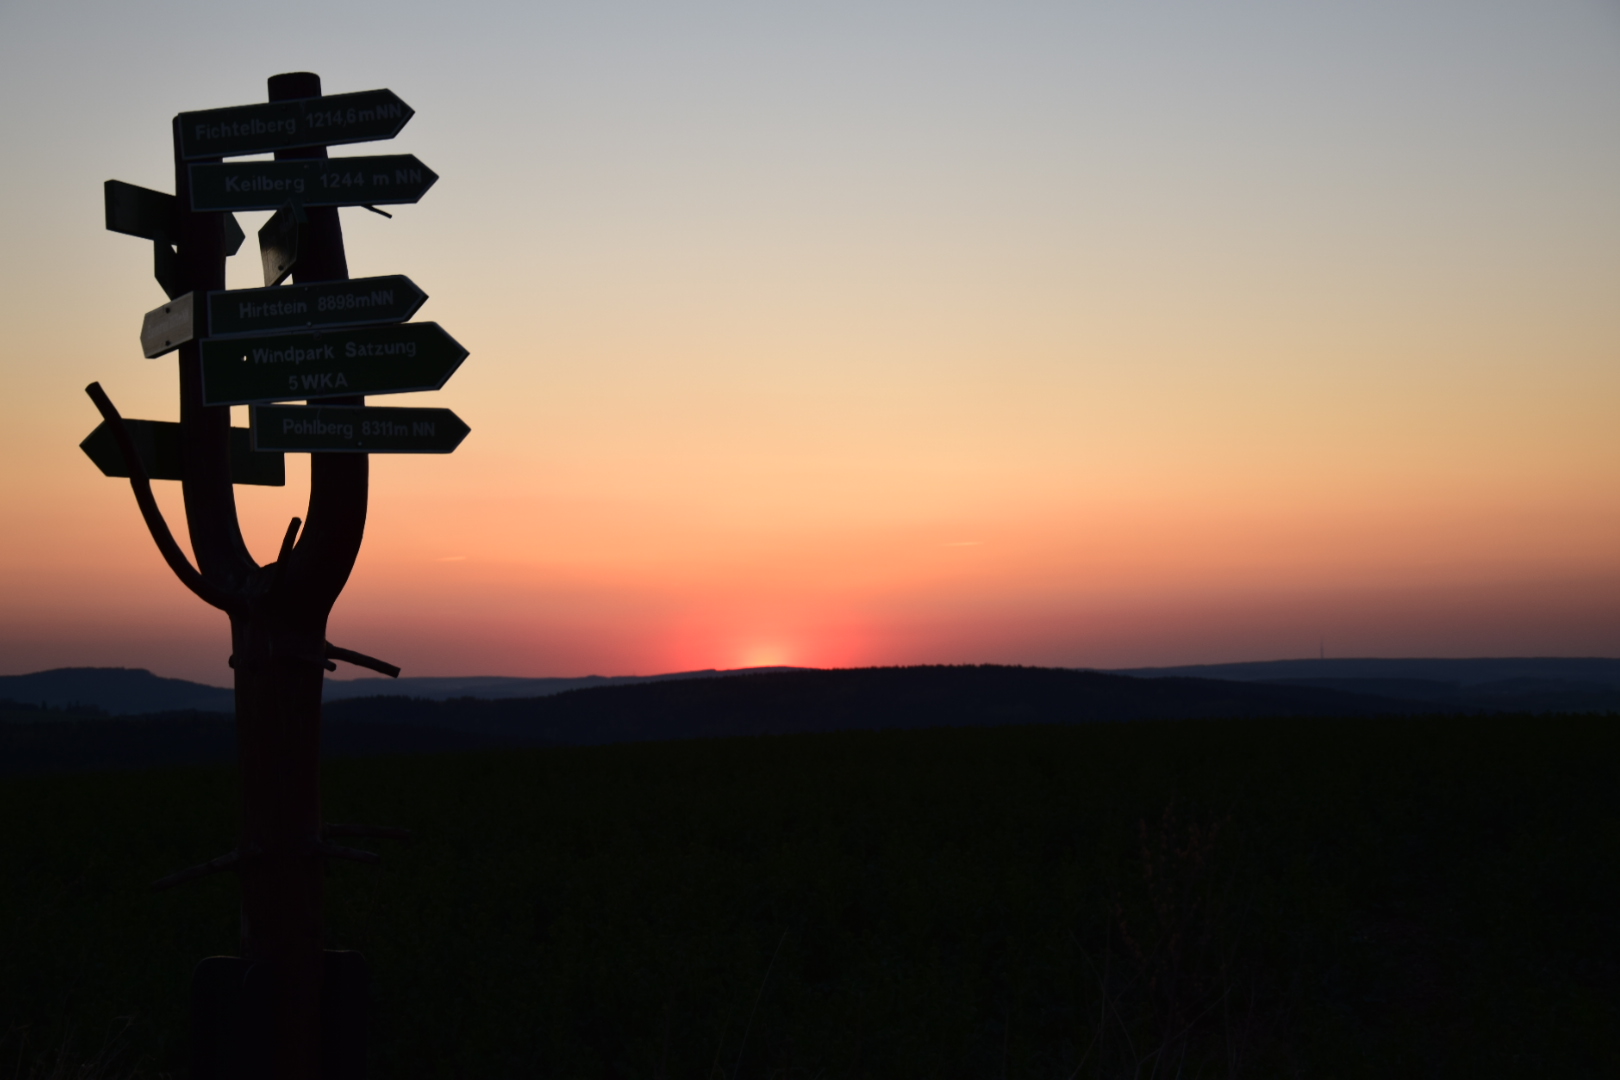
<point x="287" y="1008"/>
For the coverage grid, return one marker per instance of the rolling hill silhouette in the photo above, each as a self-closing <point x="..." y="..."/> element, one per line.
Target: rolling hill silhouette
<point x="1526" y="684"/>
<point x="35" y="739"/>
<point x="129" y="691"/>
<point x="873" y="699"/>
<point x="118" y="691"/>
<point x="1513" y="684"/>
<point x="61" y="722"/>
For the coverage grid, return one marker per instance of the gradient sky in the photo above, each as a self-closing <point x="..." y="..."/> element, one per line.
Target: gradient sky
<point x="1092" y="334"/>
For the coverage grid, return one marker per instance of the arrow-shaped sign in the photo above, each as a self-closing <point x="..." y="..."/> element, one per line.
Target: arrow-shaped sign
<point x="154" y="215"/>
<point x="352" y="181"/>
<point x="357" y="430"/>
<point x="142" y="212"/>
<point x="392" y="298"/>
<point x="278" y="243"/>
<point x="328" y="363"/>
<point x="158" y="444"/>
<point x="283" y="125"/>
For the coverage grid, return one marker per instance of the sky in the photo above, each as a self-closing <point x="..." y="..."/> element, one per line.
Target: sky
<point x="1093" y="334"/>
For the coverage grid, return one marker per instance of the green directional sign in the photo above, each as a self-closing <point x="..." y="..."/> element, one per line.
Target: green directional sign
<point x="283" y="125"/>
<point x="356" y="302"/>
<point x="158" y="444"/>
<point x="352" y="181"/>
<point x="328" y="363"/>
<point x="356" y="430"/>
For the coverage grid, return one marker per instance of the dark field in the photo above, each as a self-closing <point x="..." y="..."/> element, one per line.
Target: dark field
<point x="1321" y="898"/>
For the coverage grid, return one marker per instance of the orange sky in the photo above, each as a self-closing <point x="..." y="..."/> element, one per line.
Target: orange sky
<point x="889" y="334"/>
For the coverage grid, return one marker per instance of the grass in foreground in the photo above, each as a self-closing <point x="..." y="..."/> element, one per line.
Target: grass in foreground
<point x="1319" y="898"/>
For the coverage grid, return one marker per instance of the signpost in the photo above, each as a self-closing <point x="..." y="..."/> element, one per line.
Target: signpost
<point x="357" y="302"/>
<point x="343" y="429"/>
<point x="284" y="125"/>
<point x="167" y="328"/>
<point x="357" y="360"/>
<point x="152" y="215"/>
<point x="157" y="442"/>
<point x="142" y="212"/>
<point x="278" y="243"/>
<point x="352" y="181"/>
<point x="288" y="1008"/>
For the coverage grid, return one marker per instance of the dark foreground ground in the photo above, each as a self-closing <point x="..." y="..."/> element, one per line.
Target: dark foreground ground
<point x="1253" y="897"/>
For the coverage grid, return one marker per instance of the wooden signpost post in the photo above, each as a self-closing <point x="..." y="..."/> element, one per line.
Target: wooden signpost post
<point x="288" y="1008"/>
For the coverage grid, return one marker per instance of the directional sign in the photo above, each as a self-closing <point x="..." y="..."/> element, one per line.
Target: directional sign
<point x="328" y="363"/>
<point x="158" y="444"/>
<point x="154" y="215"/>
<point x="142" y="212"/>
<point x="356" y="430"/>
<point x="168" y="327"/>
<point x="356" y="302"/>
<point x="353" y="181"/>
<point x="278" y="243"/>
<point x="282" y="125"/>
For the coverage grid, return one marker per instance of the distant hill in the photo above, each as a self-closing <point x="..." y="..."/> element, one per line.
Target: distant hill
<point x="1467" y="672"/>
<point x="496" y="687"/>
<point x="1502" y="685"/>
<point x="782" y="702"/>
<point x="856" y="699"/>
<point x="130" y="691"/>
<point x="1521" y="684"/>
<point x="118" y="691"/>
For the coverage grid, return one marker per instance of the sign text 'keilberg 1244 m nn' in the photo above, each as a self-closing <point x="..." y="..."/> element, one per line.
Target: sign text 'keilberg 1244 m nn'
<point x="347" y="181"/>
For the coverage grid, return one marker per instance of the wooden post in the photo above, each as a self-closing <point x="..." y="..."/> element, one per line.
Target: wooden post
<point x="280" y="658"/>
<point x="278" y="635"/>
<point x="278" y="615"/>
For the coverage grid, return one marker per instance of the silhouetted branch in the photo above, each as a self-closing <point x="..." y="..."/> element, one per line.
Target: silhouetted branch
<point x="286" y="549"/>
<point x="142" y="486"/>
<point x="349" y="656"/>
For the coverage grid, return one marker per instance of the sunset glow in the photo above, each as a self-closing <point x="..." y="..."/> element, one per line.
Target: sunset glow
<point x="844" y="335"/>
